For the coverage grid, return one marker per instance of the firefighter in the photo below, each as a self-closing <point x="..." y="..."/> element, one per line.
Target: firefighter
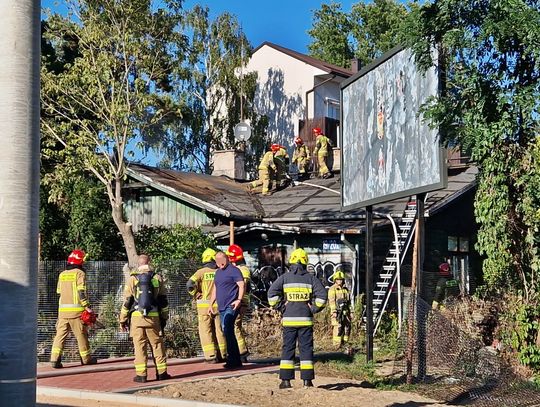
<point x="267" y="171"/>
<point x="301" y="295"/>
<point x="236" y="257"/>
<point x="446" y="287"/>
<point x="339" y="300"/>
<point x="281" y="158"/>
<point x="199" y="286"/>
<point x="73" y="302"/>
<point x="145" y="310"/>
<point x="323" y="146"/>
<point x="301" y="158"/>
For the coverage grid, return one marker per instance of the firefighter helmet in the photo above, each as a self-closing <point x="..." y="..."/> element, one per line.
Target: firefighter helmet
<point x="208" y="255"/>
<point x="275" y="147"/>
<point x="88" y="318"/>
<point x="444" y="269"/>
<point x="299" y="141"/>
<point x="299" y="256"/>
<point x="235" y="253"/>
<point x="76" y="257"/>
<point x="338" y="275"/>
<point x="317" y="131"/>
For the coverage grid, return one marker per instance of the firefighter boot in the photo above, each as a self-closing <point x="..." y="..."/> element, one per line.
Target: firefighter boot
<point x="139" y="379"/>
<point x="58" y="363"/>
<point x="164" y="376"/>
<point x="308" y="383"/>
<point x="285" y="384"/>
<point x="92" y="361"/>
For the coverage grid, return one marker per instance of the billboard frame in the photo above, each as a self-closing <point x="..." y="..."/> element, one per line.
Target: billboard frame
<point x="443" y="171"/>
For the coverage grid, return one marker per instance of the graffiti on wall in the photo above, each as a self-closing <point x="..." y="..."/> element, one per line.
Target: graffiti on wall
<point x="264" y="276"/>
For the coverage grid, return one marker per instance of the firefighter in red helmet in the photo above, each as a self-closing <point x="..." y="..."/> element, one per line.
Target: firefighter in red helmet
<point x="446" y="287"/>
<point x="267" y="171"/>
<point x="323" y="147"/>
<point x="281" y="158"/>
<point x="72" y="304"/>
<point x="301" y="158"/>
<point x="236" y="257"/>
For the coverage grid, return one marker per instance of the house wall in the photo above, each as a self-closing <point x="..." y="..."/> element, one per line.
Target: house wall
<point x="322" y="94"/>
<point x="282" y="85"/>
<point x="148" y="207"/>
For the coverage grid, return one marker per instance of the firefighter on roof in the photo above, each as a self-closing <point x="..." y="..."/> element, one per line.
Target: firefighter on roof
<point x="146" y="310"/>
<point x="281" y="158"/>
<point x="236" y="257"/>
<point x="323" y="146"/>
<point x="267" y="171"/>
<point x="301" y="295"/>
<point x="339" y="300"/>
<point x="301" y="157"/>
<point x="73" y="302"/>
<point x="199" y="287"/>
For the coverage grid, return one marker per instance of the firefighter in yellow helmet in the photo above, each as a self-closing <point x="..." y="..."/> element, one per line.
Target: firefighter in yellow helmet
<point x="339" y="300"/>
<point x="301" y="157"/>
<point x="303" y="295"/>
<point x="199" y="286"/>
<point x="236" y="257"/>
<point x="146" y="310"/>
<point x="281" y="158"/>
<point x="323" y="146"/>
<point x="73" y="301"/>
<point x="267" y="171"/>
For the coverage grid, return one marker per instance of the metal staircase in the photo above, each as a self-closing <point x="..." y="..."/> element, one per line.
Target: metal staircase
<point x="388" y="275"/>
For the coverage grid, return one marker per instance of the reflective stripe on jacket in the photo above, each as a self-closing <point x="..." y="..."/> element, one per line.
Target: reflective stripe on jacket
<point x="303" y="294"/>
<point x="200" y="285"/>
<point x="336" y="293"/>
<point x="72" y="289"/>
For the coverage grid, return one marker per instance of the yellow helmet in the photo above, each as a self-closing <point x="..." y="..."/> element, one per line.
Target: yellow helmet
<point x="299" y="256"/>
<point x="338" y="275"/>
<point x="208" y="255"/>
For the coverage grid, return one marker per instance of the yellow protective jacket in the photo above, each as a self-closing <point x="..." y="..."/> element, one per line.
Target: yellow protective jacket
<point x="322" y="146"/>
<point x="281" y="158"/>
<point x="72" y="289"/>
<point x="131" y="295"/>
<point x="267" y="162"/>
<point x="336" y="293"/>
<point x="301" y="153"/>
<point x="247" y="280"/>
<point x="200" y="285"/>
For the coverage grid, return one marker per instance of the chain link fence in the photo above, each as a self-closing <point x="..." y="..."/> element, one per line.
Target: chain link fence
<point x="454" y="364"/>
<point x="105" y="283"/>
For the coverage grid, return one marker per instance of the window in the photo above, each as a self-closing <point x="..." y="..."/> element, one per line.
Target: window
<point x="458" y="244"/>
<point x="332" y="108"/>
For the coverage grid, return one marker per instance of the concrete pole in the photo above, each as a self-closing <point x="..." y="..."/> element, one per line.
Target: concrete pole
<point x="19" y="198"/>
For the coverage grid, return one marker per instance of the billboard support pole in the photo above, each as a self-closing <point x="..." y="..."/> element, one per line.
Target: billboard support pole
<point x="421" y="312"/>
<point x="369" y="283"/>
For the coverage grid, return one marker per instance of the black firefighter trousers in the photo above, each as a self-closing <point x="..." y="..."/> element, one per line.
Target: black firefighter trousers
<point x="304" y="335"/>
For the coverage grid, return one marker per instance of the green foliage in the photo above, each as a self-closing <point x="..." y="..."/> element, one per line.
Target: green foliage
<point x="366" y="32"/>
<point x="178" y="242"/>
<point x="387" y="335"/>
<point x="181" y="334"/>
<point x="490" y="108"/>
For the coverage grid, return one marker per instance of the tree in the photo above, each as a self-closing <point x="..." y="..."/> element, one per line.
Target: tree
<point x="119" y="87"/>
<point x="215" y="92"/>
<point x="491" y="56"/>
<point x="365" y="33"/>
<point x="331" y="34"/>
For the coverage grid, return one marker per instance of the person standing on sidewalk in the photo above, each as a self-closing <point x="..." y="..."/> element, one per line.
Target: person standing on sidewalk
<point x="228" y="291"/>
<point x="73" y="301"/>
<point x="146" y="310"/>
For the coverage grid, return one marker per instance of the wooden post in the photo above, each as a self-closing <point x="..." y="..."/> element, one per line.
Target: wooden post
<point x="412" y="301"/>
<point x="231" y="232"/>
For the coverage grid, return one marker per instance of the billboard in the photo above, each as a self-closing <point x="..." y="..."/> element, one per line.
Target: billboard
<point x="388" y="151"/>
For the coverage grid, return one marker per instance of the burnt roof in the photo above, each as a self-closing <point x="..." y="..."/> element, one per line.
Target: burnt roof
<point x="322" y="65"/>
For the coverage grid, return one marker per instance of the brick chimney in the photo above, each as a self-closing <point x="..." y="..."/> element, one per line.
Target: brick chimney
<point x="356" y="65"/>
<point x="230" y="163"/>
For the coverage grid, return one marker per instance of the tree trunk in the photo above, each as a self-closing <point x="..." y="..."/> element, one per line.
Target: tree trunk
<point x="19" y="199"/>
<point x="127" y="234"/>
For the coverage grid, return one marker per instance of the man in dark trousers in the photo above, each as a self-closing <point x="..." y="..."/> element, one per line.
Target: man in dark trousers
<point x="228" y="291"/>
<point x="303" y="295"/>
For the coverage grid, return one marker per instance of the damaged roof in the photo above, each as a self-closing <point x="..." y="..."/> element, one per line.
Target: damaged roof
<point x="219" y="195"/>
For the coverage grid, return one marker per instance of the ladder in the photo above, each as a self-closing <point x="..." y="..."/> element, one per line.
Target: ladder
<point x="388" y="275"/>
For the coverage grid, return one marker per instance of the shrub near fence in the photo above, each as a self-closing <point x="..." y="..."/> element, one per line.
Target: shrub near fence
<point x="105" y="282"/>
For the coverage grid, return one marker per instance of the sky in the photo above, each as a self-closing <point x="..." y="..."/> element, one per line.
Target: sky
<point x="283" y="22"/>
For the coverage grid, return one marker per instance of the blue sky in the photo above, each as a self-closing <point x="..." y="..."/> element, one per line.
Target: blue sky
<point x="283" y="22"/>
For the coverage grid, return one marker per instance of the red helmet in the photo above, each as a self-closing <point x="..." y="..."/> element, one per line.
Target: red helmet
<point x="275" y="147"/>
<point x="298" y="140"/>
<point x="76" y="257"/>
<point x="235" y="253"/>
<point x="317" y="130"/>
<point x="88" y="318"/>
<point x="444" y="269"/>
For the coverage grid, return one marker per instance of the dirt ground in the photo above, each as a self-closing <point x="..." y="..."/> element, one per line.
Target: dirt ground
<point x="261" y="390"/>
<point x="48" y="401"/>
